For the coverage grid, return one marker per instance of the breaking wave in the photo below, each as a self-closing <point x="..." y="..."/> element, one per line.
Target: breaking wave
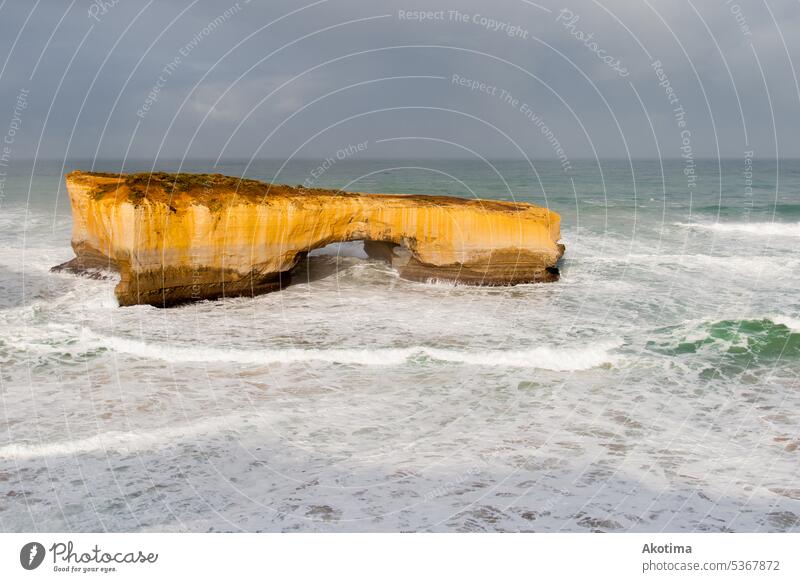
<point x="735" y="345"/>
<point x="122" y="441"/>
<point x="756" y="228"/>
<point x="543" y="357"/>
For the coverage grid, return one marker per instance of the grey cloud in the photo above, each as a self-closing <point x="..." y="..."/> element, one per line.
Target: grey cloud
<point x="382" y="62"/>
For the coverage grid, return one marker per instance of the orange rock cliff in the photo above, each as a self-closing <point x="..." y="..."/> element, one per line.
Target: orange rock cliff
<point x="176" y="238"/>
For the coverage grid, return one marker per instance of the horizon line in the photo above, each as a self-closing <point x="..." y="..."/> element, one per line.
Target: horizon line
<point x="410" y="159"/>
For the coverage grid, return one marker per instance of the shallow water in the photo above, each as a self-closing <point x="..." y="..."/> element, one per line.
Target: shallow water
<point x="653" y="388"/>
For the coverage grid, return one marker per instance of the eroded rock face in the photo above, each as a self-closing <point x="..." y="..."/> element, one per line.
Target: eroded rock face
<point x="182" y="237"/>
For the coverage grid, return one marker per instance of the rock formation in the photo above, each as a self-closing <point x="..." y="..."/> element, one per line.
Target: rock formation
<point x="182" y="237"/>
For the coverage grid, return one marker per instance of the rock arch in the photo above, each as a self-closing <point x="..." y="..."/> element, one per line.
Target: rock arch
<point x="182" y="237"/>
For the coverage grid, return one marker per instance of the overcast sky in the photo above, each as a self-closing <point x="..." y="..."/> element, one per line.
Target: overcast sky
<point x="273" y="79"/>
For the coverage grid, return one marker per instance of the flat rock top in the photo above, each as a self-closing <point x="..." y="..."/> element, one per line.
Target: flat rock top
<point x="215" y="190"/>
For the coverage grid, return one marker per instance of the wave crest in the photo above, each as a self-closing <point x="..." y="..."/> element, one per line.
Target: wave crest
<point x="559" y="359"/>
<point x="755" y="228"/>
<point x="123" y="442"/>
<point x="734" y="344"/>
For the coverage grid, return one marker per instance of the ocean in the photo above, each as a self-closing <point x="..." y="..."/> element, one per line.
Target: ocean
<point x="653" y="388"/>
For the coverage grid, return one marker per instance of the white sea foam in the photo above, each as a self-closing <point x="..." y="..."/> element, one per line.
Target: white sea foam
<point x="791" y="322"/>
<point x="542" y="357"/>
<point x="691" y="260"/>
<point x="121" y="441"/>
<point x="546" y="358"/>
<point x="145" y="439"/>
<point x="755" y="228"/>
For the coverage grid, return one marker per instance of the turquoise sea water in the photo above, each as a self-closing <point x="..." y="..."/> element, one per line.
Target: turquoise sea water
<point x="653" y="388"/>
